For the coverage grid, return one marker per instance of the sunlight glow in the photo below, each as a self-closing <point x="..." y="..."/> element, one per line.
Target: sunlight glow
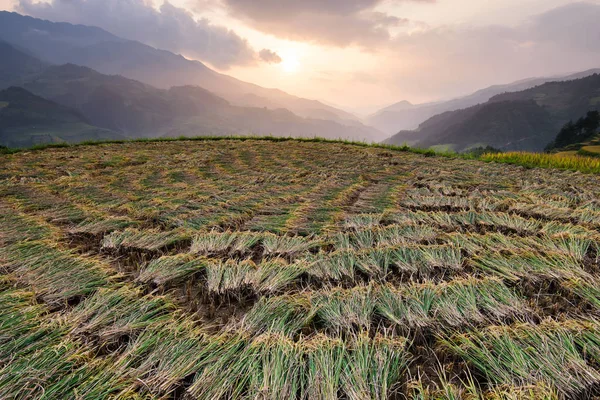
<point x="290" y="63"/>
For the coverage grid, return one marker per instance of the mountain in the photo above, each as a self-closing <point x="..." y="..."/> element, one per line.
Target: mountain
<point x="400" y="106"/>
<point x="112" y="102"/>
<point x="406" y="116"/>
<point x="62" y="43"/>
<point x="27" y="120"/>
<point x="17" y="66"/>
<point x="136" y="109"/>
<point x="525" y="120"/>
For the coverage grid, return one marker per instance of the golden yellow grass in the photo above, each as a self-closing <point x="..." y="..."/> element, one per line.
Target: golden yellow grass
<point x="542" y="160"/>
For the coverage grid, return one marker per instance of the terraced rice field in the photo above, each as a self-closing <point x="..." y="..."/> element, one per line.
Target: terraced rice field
<point x="592" y="151"/>
<point x="294" y="270"/>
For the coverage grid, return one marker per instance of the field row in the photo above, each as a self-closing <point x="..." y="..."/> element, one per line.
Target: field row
<point x="258" y="270"/>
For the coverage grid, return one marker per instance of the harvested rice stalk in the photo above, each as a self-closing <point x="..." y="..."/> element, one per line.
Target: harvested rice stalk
<point x="20" y="323"/>
<point x="285" y="315"/>
<point x="424" y="259"/>
<point x="373" y="367"/>
<point x="287" y="246"/>
<point x="228" y="366"/>
<point x="113" y="313"/>
<point x="411" y="307"/>
<point x="389" y="236"/>
<point x="573" y="246"/>
<point x="396" y="235"/>
<point x="447" y="390"/>
<point x="530" y="265"/>
<point x="18" y="228"/>
<point x="346" y="309"/>
<point x="324" y="367"/>
<point x="273" y="276"/>
<point x="142" y="240"/>
<point x="471" y="300"/>
<point x="337" y="266"/>
<point x="588" y="289"/>
<point x="230" y="276"/>
<point x="362" y="221"/>
<point x="527" y="355"/>
<point x="163" y="355"/>
<point x="538" y="391"/>
<point x="442" y="387"/>
<point x="56" y="276"/>
<point x="245" y="242"/>
<point x="27" y="377"/>
<point x="101" y="227"/>
<point x="557" y="229"/>
<point x="281" y="367"/>
<point x="213" y="243"/>
<point x="96" y="379"/>
<point x="376" y="263"/>
<point x="456" y="303"/>
<point x="172" y="270"/>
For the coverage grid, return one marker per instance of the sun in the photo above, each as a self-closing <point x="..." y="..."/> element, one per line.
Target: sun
<point x="290" y="63"/>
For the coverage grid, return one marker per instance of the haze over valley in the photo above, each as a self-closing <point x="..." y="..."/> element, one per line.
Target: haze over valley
<point x="224" y="67"/>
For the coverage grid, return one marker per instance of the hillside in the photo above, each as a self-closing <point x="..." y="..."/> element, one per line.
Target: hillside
<point x="62" y="43"/>
<point x="589" y="148"/>
<point x="578" y="137"/>
<point x="526" y="120"/>
<point x="230" y="269"/>
<point x="17" y="66"/>
<point x="406" y="116"/>
<point x="136" y="109"/>
<point x="27" y="120"/>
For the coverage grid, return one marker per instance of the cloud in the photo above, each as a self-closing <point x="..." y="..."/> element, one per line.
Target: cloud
<point x="331" y="22"/>
<point x="169" y="27"/>
<point x="575" y="26"/>
<point x="452" y="60"/>
<point x="269" y="56"/>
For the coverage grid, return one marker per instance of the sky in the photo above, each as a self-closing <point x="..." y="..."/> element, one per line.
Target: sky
<point x="356" y="54"/>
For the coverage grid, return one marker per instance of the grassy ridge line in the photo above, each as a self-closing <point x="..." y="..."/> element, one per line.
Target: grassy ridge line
<point x="579" y="163"/>
<point x="583" y="162"/>
<point x="242" y="138"/>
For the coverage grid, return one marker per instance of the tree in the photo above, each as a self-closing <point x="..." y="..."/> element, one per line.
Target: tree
<point x="572" y="133"/>
<point x="564" y="136"/>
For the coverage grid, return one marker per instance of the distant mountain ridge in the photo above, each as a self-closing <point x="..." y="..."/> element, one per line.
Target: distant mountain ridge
<point x="135" y="109"/>
<point x="17" y="66"/>
<point x="135" y="90"/>
<point x="62" y="43"/>
<point x="27" y="120"/>
<point x="525" y="120"/>
<point x="406" y="116"/>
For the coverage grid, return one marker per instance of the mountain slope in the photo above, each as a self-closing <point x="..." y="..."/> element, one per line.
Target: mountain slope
<point x="406" y="116"/>
<point x="582" y="135"/>
<point x="113" y="102"/>
<point x="136" y="109"/>
<point x="16" y="65"/>
<point x="526" y="120"/>
<point x="61" y="43"/>
<point x="27" y="120"/>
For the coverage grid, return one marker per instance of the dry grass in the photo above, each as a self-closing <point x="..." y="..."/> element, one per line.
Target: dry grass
<point x="246" y="269"/>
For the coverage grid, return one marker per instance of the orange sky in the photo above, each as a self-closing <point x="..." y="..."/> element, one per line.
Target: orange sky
<point x="441" y="49"/>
